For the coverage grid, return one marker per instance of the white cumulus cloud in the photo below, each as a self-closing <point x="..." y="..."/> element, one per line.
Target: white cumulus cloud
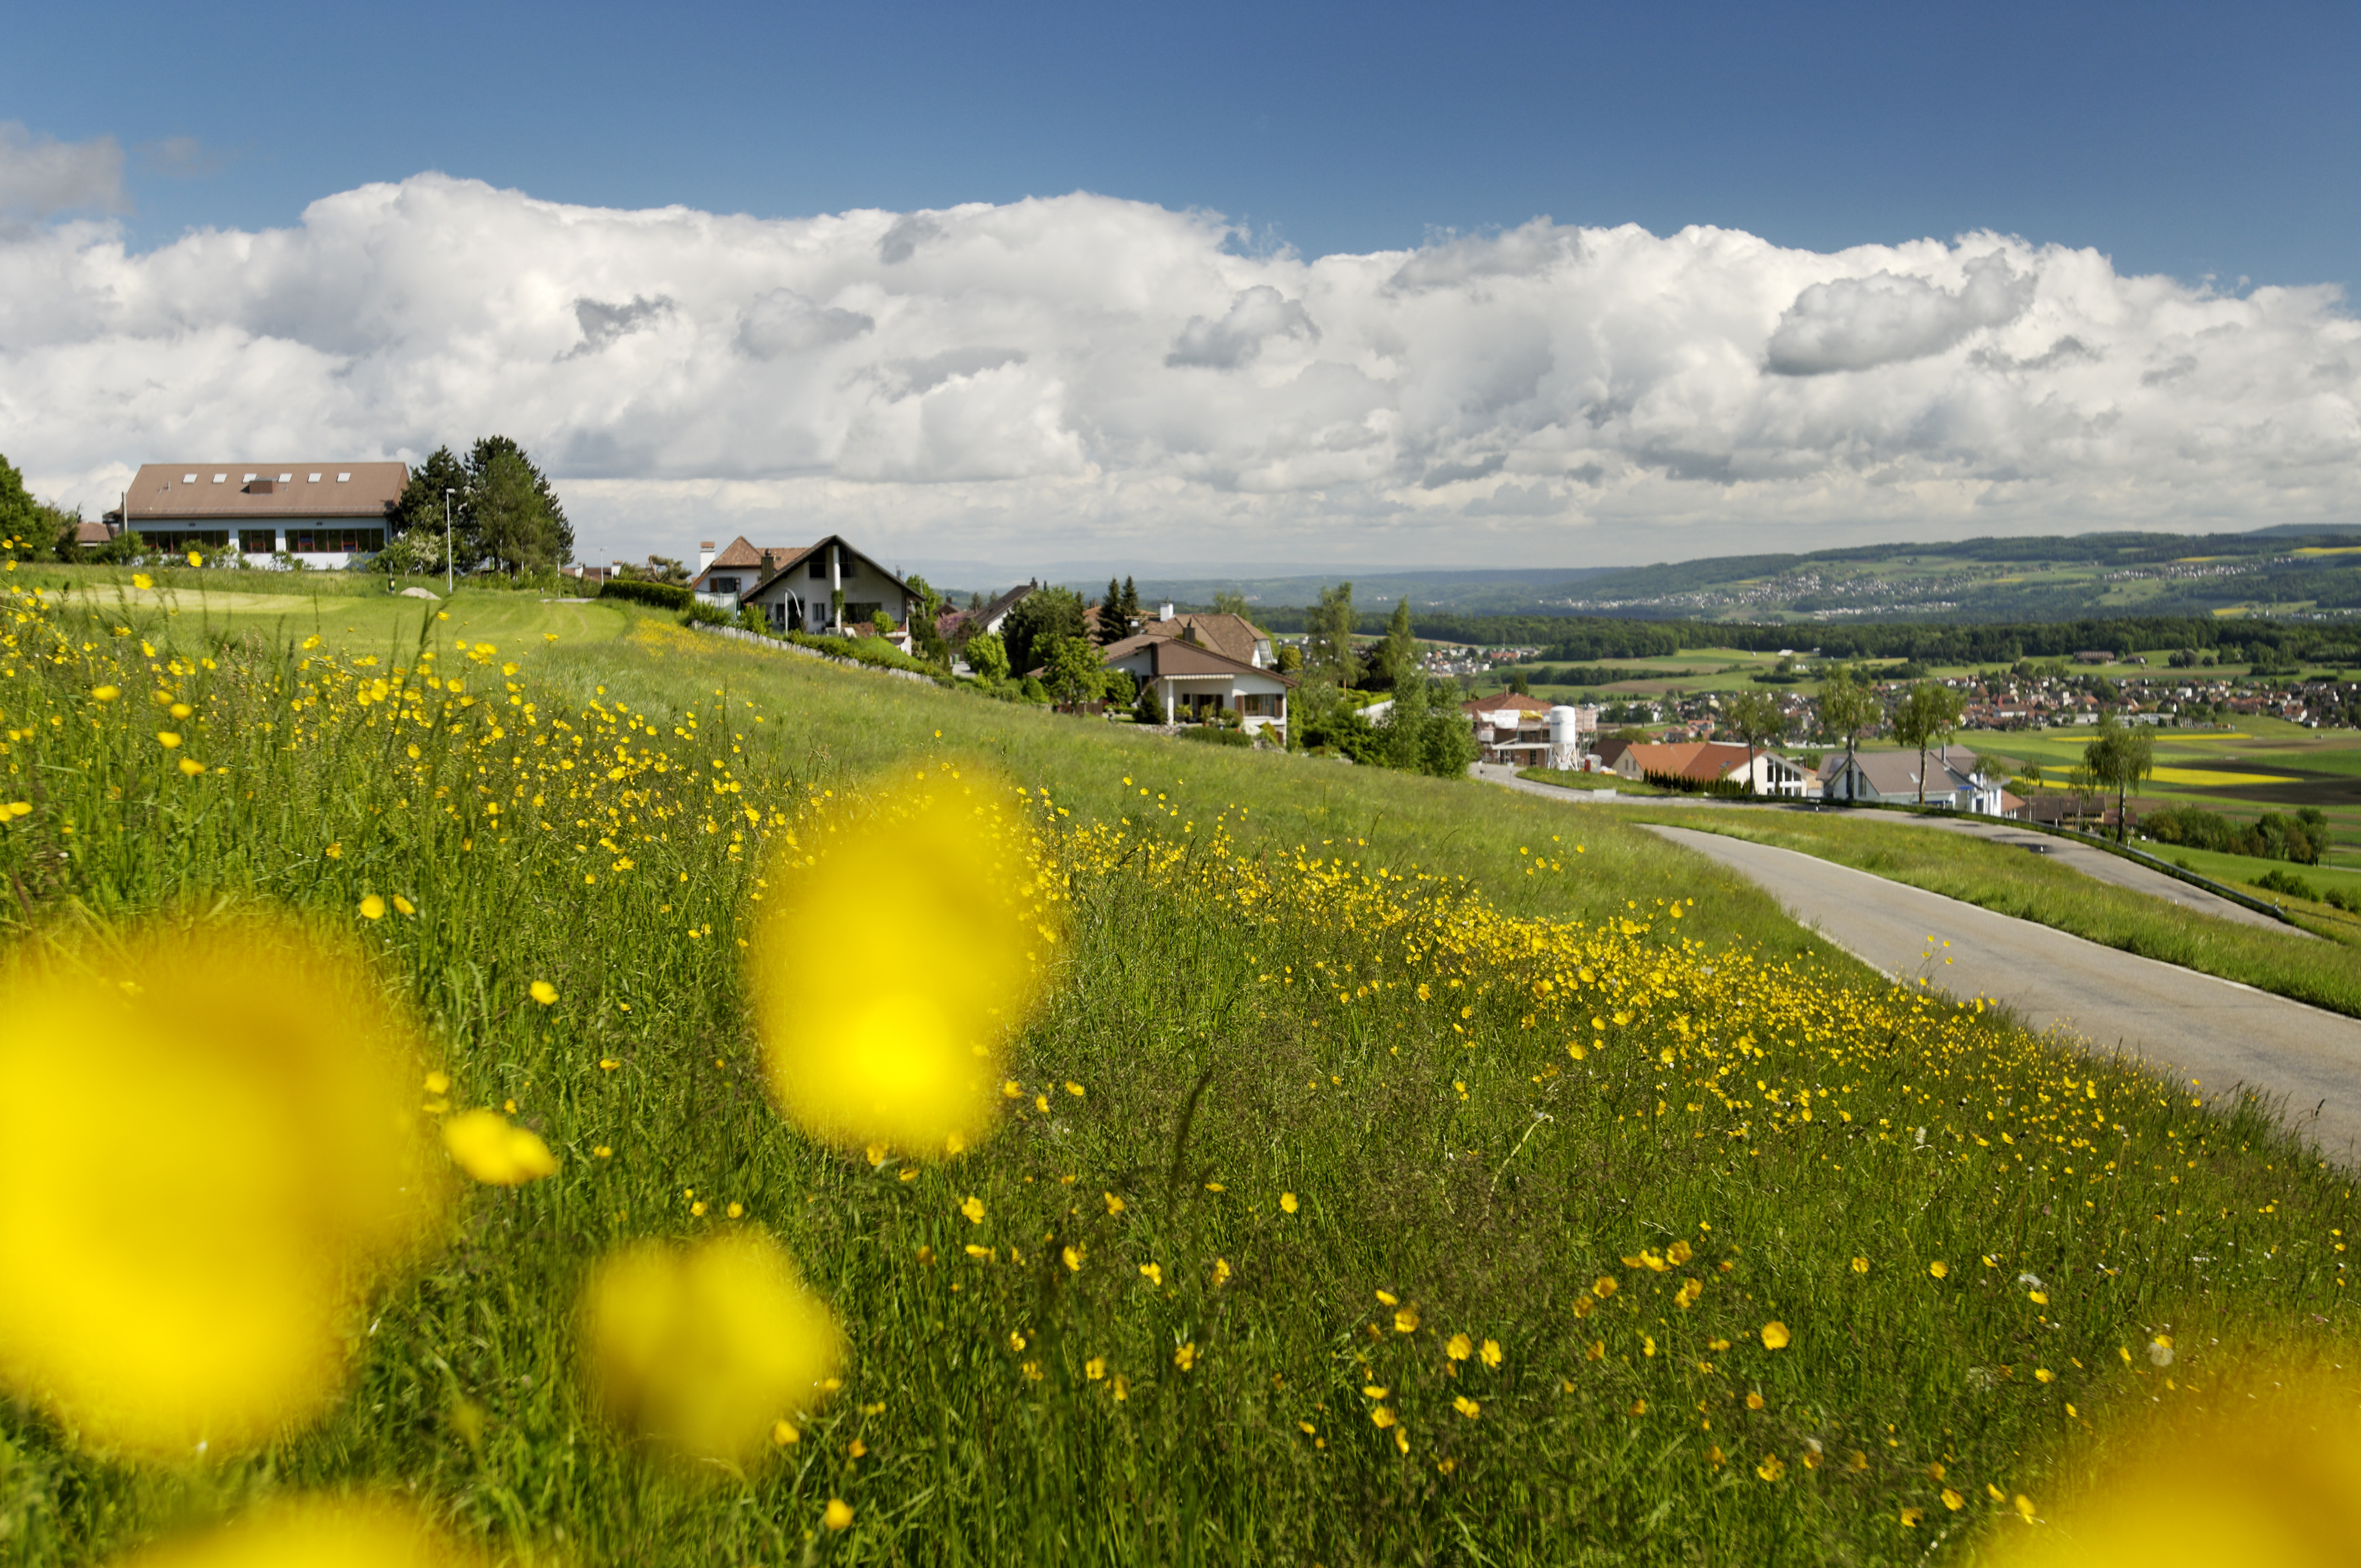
<point x="1084" y="378"/>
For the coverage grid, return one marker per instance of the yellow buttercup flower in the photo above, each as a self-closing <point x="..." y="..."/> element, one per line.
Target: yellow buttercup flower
<point x="905" y="1044"/>
<point x="1286" y="1201"/>
<point x="1774" y="1335"/>
<point x="195" y="1195"/>
<point x="191" y="768"/>
<point x="372" y="907"/>
<point x="484" y="1145"/>
<point x="544" y="992"/>
<point x="310" y="1533"/>
<point x="837" y="1515"/>
<point x="704" y="1348"/>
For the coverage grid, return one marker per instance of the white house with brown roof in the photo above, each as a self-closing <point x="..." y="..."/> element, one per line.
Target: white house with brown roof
<point x="827" y="587"/>
<point x="323" y="514"/>
<point x="1192" y="682"/>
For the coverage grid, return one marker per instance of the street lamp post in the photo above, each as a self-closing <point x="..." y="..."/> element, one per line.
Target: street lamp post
<point x="449" y="570"/>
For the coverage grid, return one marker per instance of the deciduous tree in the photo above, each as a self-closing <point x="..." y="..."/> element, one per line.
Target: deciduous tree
<point x="1929" y="711"/>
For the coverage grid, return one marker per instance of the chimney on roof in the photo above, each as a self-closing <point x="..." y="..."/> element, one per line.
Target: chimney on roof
<point x="704" y="556"/>
<point x="1164" y="611"/>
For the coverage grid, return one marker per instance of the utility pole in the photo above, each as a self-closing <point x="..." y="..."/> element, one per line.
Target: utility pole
<point x="449" y="570"/>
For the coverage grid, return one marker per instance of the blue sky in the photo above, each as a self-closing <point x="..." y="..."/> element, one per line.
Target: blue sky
<point x="1207" y="289"/>
<point x="2181" y="138"/>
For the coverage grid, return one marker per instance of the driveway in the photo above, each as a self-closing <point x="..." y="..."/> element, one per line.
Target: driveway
<point x="2185" y="1026"/>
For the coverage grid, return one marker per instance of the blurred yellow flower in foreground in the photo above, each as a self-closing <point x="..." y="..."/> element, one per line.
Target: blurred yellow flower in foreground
<point x="486" y="1146"/>
<point x="1776" y="1335"/>
<point x="544" y="992"/>
<point x="901" y="1041"/>
<point x="2263" y="1476"/>
<point x="201" y="1173"/>
<point x="707" y="1348"/>
<point x="318" y="1533"/>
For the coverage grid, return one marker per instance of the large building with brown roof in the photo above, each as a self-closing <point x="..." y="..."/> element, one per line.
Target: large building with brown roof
<point x="321" y="514"/>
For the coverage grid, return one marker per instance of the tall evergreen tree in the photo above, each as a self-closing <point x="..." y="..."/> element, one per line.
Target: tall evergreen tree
<point x="555" y="538"/>
<point x="513" y="526"/>
<point x="418" y="508"/>
<point x="1112" y="626"/>
<point x="1131" y="612"/>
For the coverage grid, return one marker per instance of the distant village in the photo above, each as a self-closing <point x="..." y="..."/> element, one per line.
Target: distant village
<point x="1331" y="691"/>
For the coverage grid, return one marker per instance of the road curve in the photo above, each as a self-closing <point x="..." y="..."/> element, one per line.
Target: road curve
<point x="2178" y="1023"/>
<point x="2087" y="859"/>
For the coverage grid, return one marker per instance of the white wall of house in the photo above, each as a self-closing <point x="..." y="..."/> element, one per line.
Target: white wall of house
<point x="1771" y="775"/>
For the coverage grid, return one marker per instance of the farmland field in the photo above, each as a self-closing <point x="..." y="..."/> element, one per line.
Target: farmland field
<point x="1389" y="1170"/>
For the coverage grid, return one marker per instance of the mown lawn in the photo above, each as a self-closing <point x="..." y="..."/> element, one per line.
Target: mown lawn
<point x="1444" y="1183"/>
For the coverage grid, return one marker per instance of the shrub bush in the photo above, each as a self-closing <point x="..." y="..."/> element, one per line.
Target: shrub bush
<point x="1215" y="735"/>
<point x="2302" y="837"/>
<point x="699" y="612"/>
<point x="663" y="595"/>
<point x="865" y="651"/>
<point x="2287" y="882"/>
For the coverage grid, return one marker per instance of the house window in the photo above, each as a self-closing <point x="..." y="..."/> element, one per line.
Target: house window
<point x="819" y="567"/>
<point x="323" y="541"/>
<point x="257" y="541"/>
<point x="723" y="585"/>
<point x="844" y="571"/>
<point x="861" y="614"/>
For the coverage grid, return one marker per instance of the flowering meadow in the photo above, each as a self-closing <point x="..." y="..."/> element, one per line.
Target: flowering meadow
<point x="866" y="1125"/>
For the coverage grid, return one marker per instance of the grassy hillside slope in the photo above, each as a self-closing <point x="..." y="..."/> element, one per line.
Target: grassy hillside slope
<point x="1487" y="1192"/>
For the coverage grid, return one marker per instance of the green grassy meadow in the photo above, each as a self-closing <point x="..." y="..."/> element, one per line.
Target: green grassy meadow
<point x="1536" y="1077"/>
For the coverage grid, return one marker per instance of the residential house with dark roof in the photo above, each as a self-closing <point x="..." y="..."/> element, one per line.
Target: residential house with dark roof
<point x="1954" y="780"/>
<point x="827" y="587"/>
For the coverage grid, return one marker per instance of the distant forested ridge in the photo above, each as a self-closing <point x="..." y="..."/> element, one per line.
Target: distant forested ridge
<point x="1586" y="639"/>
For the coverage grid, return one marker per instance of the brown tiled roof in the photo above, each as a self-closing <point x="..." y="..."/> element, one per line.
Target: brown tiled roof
<point x="188" y="493"/>
<point x="1233" y="636"/>
<point x="1170" y="655"/>
<point x="1690" y="760"/>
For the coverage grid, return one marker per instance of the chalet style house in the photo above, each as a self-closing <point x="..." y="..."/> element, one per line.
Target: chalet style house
<point x="827" y="587"/>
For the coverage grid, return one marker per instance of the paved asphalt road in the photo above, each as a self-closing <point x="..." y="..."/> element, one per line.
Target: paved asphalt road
<point x="2093" y="861"/>
<point x="2178" y="1022"/>
<point x="2087" y="859"/>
